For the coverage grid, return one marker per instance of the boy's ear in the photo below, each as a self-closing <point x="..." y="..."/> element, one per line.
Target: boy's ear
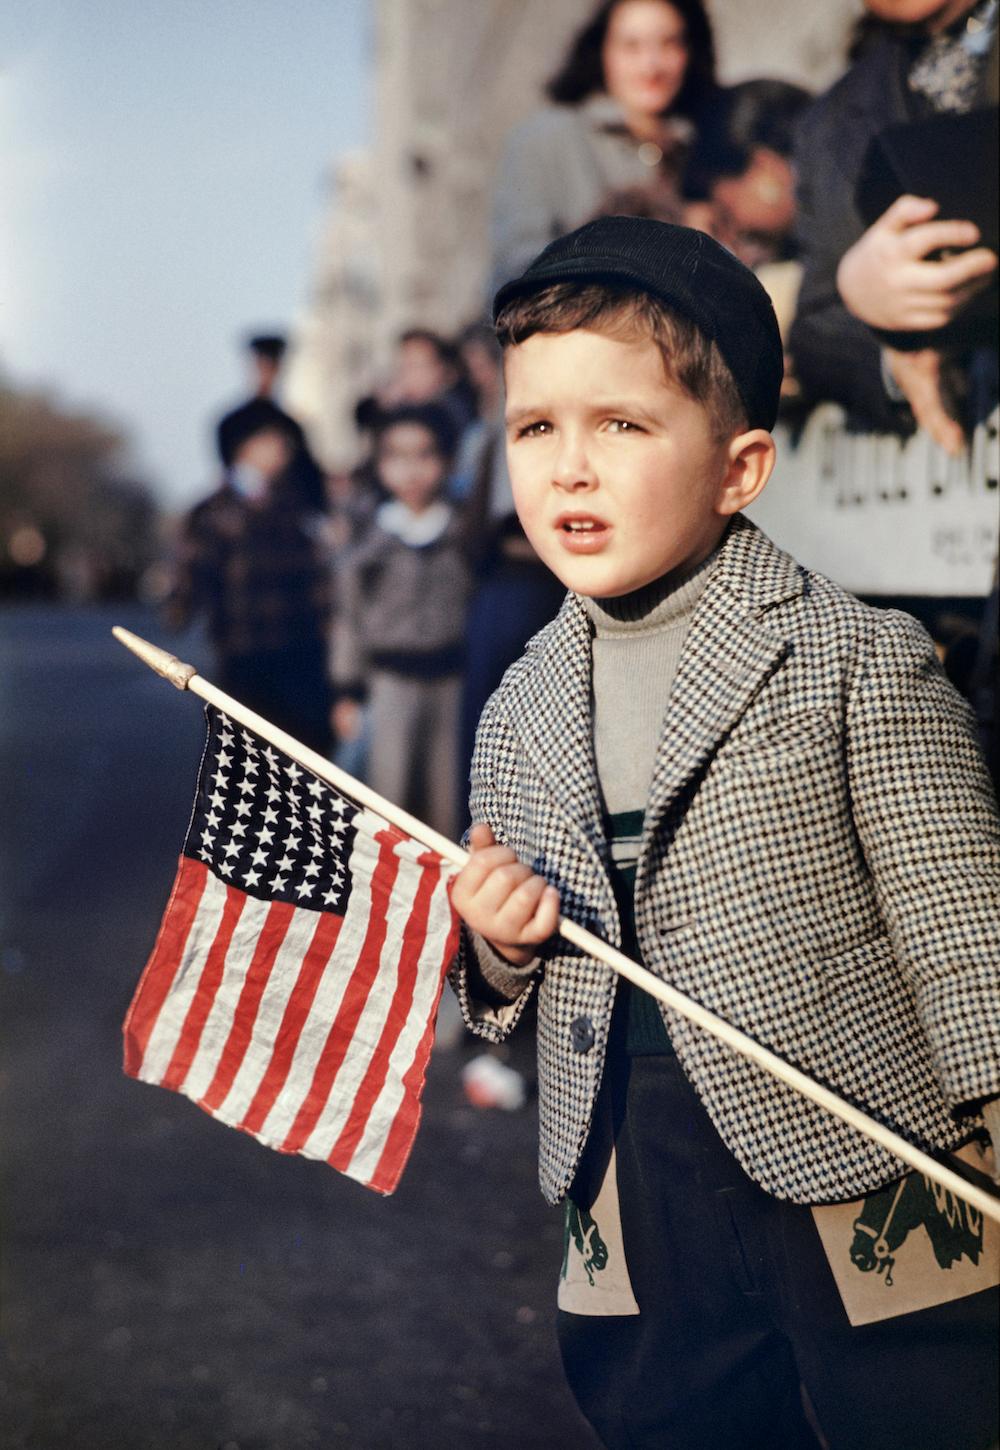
<point x="750" y="461"/>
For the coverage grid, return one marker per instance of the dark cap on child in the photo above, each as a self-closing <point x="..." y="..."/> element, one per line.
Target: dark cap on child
<point x="689" y="272"/>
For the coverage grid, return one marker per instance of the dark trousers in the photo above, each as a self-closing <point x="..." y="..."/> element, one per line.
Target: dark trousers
<point x="738" y="1309"/>
<point x="288" y="687"/>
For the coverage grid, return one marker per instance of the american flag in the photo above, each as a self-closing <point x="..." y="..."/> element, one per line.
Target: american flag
<point x="296" y="975"/>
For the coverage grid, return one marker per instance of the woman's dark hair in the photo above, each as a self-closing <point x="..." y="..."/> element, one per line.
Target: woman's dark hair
<point x="582" y="72"/>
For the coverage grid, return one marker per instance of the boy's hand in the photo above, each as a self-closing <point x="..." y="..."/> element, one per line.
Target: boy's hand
<point x="503" y="900"/>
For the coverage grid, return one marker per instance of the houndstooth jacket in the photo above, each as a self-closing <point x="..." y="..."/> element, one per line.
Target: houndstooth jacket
<point x="820" y="865"/>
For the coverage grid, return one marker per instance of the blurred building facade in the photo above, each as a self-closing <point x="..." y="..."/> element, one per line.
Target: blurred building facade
<point x="406" y="242"/>
<point x="334" y="355"/>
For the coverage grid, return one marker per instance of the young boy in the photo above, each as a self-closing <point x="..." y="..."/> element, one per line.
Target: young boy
<point x="400" y="622"/>
<point x="769" y="794"/>
<point x="249" y="562"/>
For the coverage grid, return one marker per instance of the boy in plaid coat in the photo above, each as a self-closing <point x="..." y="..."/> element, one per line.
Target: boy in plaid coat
<point x="769" y="794"/>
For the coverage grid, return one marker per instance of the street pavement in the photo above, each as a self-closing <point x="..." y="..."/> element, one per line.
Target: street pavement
<point x="167" y="1283"/>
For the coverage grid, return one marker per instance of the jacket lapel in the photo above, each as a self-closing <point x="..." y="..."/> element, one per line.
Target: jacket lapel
<point x="729" y="652"/>
<point x="553" y="718"/>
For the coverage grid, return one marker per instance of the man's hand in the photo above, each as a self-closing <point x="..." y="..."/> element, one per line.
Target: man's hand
<point x="887" y="281"/>
<point x="919" y="375"/>
<point x="503" y="900"/>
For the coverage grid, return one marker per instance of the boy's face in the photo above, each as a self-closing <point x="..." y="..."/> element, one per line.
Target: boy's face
<point x="410" y="465"/>
<point x="260" y="460"/>
<point x="616" y="472"/>
<point x="421" y="373"/>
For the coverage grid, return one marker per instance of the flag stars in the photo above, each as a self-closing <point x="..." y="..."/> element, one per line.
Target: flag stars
<point x="270" y="826"/>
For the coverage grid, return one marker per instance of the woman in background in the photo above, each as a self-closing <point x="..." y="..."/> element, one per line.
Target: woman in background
<point x="625" y="109"/>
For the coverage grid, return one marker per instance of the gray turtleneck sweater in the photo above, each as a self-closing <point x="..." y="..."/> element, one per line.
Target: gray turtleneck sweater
<point x="637" y="646"/>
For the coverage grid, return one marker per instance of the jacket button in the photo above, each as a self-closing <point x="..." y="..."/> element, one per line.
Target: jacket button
<point x="581" y="1034"/>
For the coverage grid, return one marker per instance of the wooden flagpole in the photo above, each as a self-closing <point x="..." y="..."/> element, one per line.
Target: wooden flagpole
<point x="186" y="677"/>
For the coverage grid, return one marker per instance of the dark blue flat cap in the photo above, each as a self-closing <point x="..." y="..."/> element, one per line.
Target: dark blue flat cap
<point x="693" y="275"/>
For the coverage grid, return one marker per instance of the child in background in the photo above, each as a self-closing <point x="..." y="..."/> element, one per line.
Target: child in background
<point x="769" y="794"/>
<point x="250" y="563"/>
<point x="429" y="369"/>
<point x="397" y="638"/>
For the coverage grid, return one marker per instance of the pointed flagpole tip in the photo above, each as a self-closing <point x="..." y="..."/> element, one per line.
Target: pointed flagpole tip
<point x="165" y="664"/>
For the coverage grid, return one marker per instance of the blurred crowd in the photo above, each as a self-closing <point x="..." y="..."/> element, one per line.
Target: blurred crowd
<point x="371" y="612"/>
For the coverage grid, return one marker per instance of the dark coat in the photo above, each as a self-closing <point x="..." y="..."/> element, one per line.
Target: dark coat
<point x="837" y="358"/>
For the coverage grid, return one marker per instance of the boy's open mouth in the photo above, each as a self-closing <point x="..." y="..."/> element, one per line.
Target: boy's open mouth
<point x="582" y="533"/>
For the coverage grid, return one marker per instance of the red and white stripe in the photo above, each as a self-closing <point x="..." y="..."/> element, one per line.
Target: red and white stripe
<point x="307" y="1030"/>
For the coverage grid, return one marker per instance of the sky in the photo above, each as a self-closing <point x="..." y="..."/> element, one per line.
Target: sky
<point x="164" y="174"/>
